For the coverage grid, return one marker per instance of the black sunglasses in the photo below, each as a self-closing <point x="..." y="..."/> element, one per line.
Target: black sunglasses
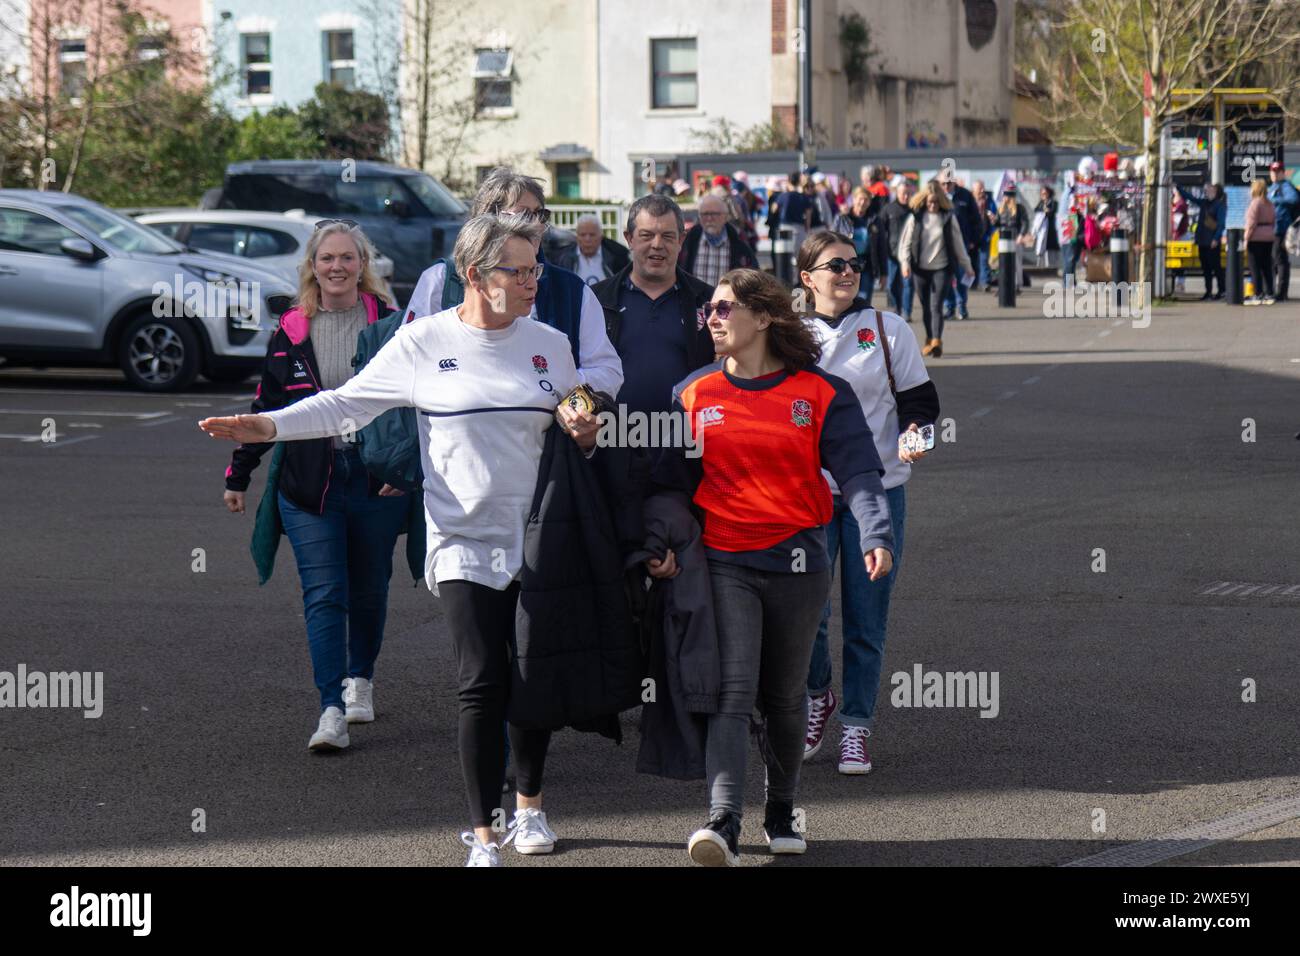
<point x="838" y="265"/>
<point x="350" y="223"/>
<point x="723" y="307"/>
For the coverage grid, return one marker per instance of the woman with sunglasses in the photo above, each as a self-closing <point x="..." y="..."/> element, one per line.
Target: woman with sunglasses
<point x="931" y="248"/>
<point x="768" y="421"/>
<point x="876" y="353"/>
<point x="341" y="522"/>
<point x="482" y="435"/>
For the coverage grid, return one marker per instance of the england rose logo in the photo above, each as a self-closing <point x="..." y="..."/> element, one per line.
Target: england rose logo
<point x="539" y="364"/>
<point x="801" y="412"/>
<point x="866" y="340"/>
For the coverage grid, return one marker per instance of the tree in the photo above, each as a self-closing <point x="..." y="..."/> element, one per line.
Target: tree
<point x="346" y="124"/>
<point x="1106" y="63"/>
<point x="728" y="137"/>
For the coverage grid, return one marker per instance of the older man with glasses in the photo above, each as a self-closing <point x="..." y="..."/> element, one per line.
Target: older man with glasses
<point x="564" y="301"/>
<point x="713" y="246"/>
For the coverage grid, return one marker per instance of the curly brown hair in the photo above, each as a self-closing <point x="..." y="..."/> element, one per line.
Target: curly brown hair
<point x="788" y="340"/>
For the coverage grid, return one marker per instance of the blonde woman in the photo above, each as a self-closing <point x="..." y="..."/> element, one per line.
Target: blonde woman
<point x="1260" y="221"/>
<point x="929" y="251"/>
<point x="341" y="522"/>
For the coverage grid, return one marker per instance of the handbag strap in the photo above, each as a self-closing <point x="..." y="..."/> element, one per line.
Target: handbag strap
<point x="884" y="344"/>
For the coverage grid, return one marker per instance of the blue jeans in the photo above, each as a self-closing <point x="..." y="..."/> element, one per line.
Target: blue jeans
<point x="1069" y="259"/>
<point x="983" y="276"/>
<point x="345" y="558"/>
<point x="865" y="612"/>
<point x="900" y="290"/>
<point x="956" y="288"/>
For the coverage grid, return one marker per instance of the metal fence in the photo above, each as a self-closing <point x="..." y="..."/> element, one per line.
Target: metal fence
<point x="612" y="217"/>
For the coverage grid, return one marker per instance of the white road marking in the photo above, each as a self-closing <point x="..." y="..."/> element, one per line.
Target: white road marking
<point x="71" y="441"/>
<point x="20" y="437"/>
<point x="1032" y="380"/>
<point x="1009" y="394"/>
<point x="84" y="425"/>
<point x="1053" y="367"/>
<point x="980" y="412"/>
<point x="161" y="421"/>
<point x="1196" y="837"/>
<point x="1103" y="333"/>
<point x="60" y="411"/>
<point x="192" y="404"/>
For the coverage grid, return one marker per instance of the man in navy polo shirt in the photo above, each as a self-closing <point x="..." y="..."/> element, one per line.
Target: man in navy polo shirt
<point x="652" y="308"/>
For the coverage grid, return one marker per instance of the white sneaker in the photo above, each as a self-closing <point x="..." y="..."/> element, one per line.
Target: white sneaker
<point x="359" y="698"/>
<point x="530" y="834"/>
<point x="1268" y="300"/>
<point x="480" y="854"/>
<point x="331" y="733"/>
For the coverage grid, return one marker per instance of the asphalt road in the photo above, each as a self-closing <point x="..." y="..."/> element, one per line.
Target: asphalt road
<point x="1120" y="691"/>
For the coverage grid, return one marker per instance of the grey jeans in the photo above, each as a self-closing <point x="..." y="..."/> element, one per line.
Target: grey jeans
<point x="766" y="625"/>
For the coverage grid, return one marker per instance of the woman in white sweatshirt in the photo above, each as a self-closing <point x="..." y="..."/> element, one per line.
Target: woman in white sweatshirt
<point x="929" y="250"/>
<point x="487" y="387"/>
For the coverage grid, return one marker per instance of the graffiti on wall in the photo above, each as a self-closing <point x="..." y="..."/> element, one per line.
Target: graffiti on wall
<point x="921" y="134"/>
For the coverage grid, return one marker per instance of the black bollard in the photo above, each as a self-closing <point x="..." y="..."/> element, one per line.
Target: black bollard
<point x="1007" y="277"/>
<point x="1233" y="240"/>
<point x="1118" y="255"/>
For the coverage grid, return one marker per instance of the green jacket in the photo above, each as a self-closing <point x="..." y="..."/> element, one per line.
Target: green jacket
<point x="267" y="527"/>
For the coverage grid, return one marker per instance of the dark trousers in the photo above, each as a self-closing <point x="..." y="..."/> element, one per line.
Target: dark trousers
<point x="1282" y="267"/>
<point x="482" y="624"/>
<point x="1211" y="268"/>
<point x="1261" y="267"/>
<point x="930" y="285"/>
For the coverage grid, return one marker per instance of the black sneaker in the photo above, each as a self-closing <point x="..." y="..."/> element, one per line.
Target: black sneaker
<point x="779" y="830"/>
<point x="717" y="844"/>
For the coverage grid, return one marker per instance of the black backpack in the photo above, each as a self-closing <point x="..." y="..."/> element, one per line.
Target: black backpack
<point x="390" y="445"/>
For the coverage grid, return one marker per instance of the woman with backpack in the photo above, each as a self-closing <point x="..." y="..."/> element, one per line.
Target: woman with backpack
<point x="876" y="354"/>
<point x="341" y="521"/>
<point x="932" y="248"/>
<point x="768" y="421"/>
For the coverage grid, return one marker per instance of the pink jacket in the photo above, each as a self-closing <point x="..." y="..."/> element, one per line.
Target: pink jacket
<point x="1259" y="220"/>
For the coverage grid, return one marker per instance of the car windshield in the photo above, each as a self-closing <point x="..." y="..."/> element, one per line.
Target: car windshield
<point x="435" y="196"/>
<point x="121" y="233"/>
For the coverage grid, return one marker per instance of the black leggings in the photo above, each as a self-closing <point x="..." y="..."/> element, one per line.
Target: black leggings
<point x="482" y="623"/>
<point x="1261" y="267"/>
<point x="930" y="285"/>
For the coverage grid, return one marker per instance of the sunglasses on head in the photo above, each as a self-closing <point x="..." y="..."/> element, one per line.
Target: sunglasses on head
<point x="350" y="223"/>
<point x="542" y="215"/>
<point x="723" y="307"/>
<point x="838" y="265"/>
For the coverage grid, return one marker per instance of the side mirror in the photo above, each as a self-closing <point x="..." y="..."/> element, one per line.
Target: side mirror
<point x="79" y="249"/>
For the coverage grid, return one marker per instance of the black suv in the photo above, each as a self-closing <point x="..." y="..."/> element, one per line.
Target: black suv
<point x="409" y="216"/>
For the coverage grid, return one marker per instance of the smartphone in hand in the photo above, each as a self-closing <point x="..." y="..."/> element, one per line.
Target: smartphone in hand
<point x="920" y="440"/>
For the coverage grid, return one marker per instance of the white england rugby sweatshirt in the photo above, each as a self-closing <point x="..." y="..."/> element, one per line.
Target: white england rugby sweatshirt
<point x="485" y="400"/>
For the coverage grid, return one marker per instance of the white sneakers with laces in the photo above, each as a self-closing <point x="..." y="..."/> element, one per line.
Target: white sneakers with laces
<point x="480" y="853"/>
<point x="331" y="732"/>
<point x="359" y="699"/>
<point x="530" y="833"/>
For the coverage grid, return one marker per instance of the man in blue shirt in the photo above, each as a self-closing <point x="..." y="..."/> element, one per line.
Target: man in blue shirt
<point x="1211" y="220"/>
<point x="652" y="308"/>
<point x="1286" y="207"/>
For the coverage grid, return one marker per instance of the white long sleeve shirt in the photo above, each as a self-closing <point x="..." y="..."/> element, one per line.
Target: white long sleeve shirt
<point x="485" y="398"/>
<point x="598" y="363"/>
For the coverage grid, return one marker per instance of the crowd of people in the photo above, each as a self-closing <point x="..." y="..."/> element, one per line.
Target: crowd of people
<point x="569" y="570"/>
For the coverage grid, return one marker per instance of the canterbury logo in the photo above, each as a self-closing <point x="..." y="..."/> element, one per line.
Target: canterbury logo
<point x="712" y="415"/>
<point x="447" y="365"/>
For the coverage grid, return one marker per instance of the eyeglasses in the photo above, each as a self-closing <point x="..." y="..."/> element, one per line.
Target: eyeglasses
<point x="838" y="265"/>
<point x="542" y="215"/>
<point x="350" y="223"/>
<point x="521" y="275"/>
<point x="723" y="307"/>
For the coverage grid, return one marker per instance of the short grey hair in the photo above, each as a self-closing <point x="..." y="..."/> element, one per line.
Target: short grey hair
<point x="655" y="205"/>
<point x="502" y="188"/>
<point x="588" y="217"/>
<point x="868" y="171"/>
<point x="482" y="241"/>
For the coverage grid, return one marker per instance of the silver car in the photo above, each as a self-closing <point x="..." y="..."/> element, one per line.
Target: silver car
<point x="273" y="240"/>
<point x="83" y="285"/>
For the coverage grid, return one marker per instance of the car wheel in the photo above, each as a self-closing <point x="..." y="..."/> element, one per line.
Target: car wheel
<point x="159" y="355"/>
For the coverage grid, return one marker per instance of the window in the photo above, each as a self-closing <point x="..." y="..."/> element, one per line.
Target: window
<point x="23" y="231"/>
<point x="257" y="63"/>
<point x="372" y="197"/>
<point x="149" y="48"/>
<point x="169" y="229"/>
<point x="342" y="70"/>
<point x="493" y="87"/>
<point x="237" y="240"/>
<point x="675" y="81"/>
<point x="277" y="192"/>
<point x="567" y="183"/>
<point x="72" y="67"/>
